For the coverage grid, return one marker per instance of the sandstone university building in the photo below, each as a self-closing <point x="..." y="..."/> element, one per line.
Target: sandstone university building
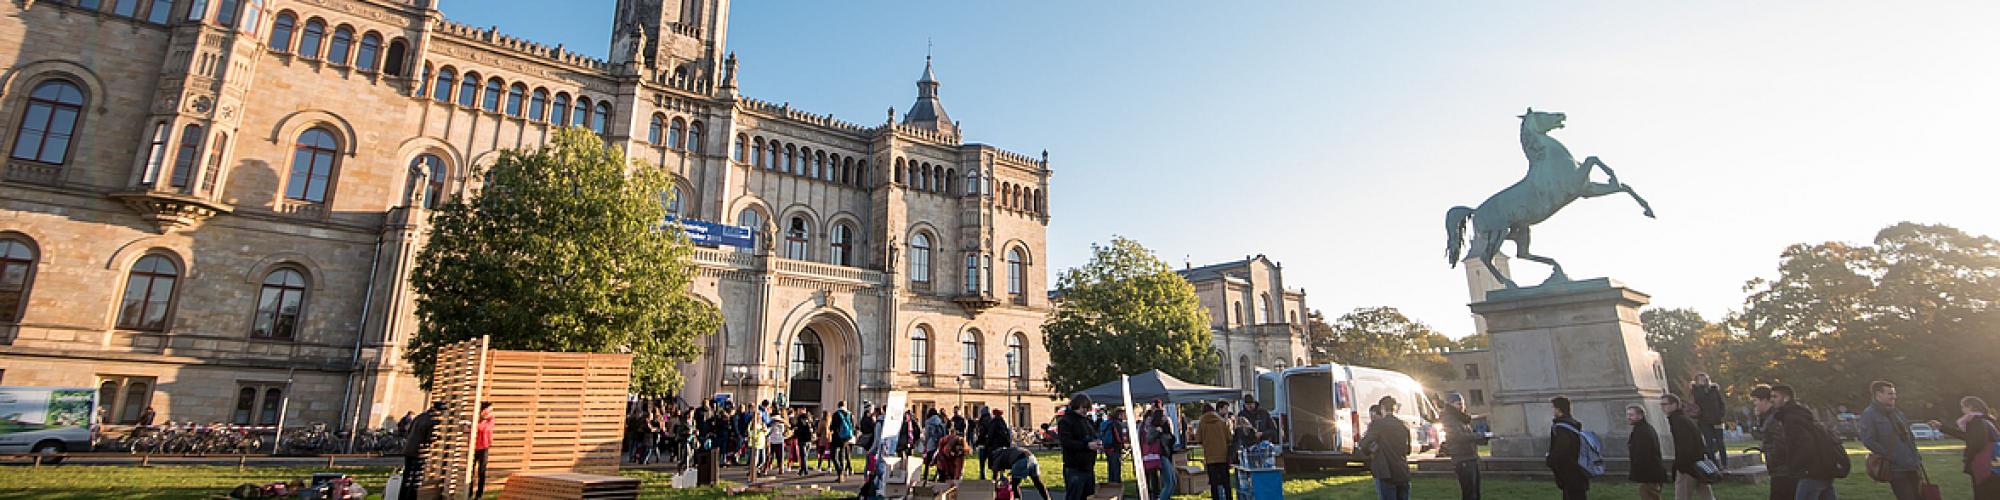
<point x="212" y="207"/>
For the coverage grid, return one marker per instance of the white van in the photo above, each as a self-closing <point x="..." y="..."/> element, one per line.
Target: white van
<point x="1323" y="410"/>
<point x="47" y="419"/>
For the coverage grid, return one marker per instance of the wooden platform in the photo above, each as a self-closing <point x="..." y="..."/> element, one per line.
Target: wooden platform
<point x="569" y="485"/>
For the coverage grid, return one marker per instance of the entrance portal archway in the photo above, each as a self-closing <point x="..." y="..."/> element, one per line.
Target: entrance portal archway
<point x="808" y="369"/>
<point x="821" y="363"/>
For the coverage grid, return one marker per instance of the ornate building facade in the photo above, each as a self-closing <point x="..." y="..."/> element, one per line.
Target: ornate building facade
<point x="212" y="207"/>
<point x="1257" y="323"/>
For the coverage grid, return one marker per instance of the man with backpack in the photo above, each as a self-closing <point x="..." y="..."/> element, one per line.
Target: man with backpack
<point x="1802" y="458"/>
<point x="1708" y="408"/>
<point x="1112" y="432"/>
<point x="1569" y="448"/>
<point x="1886" y="433"/>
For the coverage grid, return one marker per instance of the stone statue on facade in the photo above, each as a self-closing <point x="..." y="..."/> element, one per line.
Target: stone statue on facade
<point x="1554" y="180"/>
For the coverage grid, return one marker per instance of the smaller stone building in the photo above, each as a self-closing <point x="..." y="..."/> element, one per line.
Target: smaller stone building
<point x="1257" y="323"/>
<point x="1472" y="377"/>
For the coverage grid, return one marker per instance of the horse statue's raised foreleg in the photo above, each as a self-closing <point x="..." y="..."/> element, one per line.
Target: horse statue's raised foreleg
<point x="1612" y="186"/>
<point x="1520" y="237"/>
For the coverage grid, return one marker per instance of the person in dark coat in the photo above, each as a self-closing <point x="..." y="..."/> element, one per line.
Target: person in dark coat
<point x="1260" y="419"/>
<point x="1015" y="463"/>
<point x="1564" y="448"/>
<point x="1978" y="430"/>
<point x="1788" y="444"/>
<point x="1709" y="411"/>
<point x="1461" y="445"/>
<point x="1689" y="448"/>
<point x="1886" y="433"/>
<point x="1388" y="445"/>
<point x="994" y="435"/>
<point x="1648" y="471"/>
<point x="422" y="430"/>
<point x="1078" y="438"/>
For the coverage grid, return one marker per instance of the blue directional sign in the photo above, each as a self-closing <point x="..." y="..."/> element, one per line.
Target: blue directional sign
<point x="702" y="232"/>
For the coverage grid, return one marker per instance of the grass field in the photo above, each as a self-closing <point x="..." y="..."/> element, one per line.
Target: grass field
<point x="123" y="482"/>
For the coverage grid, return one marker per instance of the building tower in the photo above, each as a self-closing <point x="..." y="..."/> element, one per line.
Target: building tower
<point x="928" y="112"/>
<point x="682" y="40"/>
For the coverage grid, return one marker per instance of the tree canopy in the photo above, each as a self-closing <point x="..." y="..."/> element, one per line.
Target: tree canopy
<point x="1125" y="312"/>
<point x="563" y="249"/>
<point x="1382" y="337"/>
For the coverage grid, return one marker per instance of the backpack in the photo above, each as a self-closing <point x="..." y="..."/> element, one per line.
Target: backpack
<point x="1590" y="456"/>
<point x="1829" y="457"/>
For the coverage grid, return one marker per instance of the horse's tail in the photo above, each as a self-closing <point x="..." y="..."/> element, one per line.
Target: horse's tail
<point x="1454" y="231"/>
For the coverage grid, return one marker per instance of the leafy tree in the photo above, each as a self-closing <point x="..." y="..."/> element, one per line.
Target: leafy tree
<point x="1678" y="334"/>
<point x="1382" y="337"/>
<point x="1126" y="312"/>
<point x="1921" y="307"/>
<point x="562" y="250"/>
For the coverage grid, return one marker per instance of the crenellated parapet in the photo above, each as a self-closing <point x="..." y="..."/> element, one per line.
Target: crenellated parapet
<point x="492" y="37"/>
<point x="787" y="112"/>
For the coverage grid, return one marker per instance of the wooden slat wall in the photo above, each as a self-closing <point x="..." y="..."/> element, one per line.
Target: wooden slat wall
<point x="555" y="411"/>
<point x="457" y="381"/>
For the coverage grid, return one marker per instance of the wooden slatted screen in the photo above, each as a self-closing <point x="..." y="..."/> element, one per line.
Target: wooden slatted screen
<point x="552" y="412"/>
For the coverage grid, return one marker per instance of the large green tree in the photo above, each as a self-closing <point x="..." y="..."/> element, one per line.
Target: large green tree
<point x="1126" y="312"/>
<point x="1382" y="337"/>
<point x="1687" y="343"/>
<point x="1920" y="307"/>
<point x="562" y="249"/>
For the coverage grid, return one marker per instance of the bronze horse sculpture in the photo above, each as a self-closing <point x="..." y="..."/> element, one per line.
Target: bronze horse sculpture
<point x="1554" y="180"/>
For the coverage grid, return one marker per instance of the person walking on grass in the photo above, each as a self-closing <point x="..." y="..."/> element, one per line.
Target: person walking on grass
<point x="1112" y="432"/>
<point x="1794" y="453"/>
<point x="843" y="433"/>
<point x="1388" y="445"/>
<point x="1886" y="433"/>
<point x="1461" y="445"/>
<point x="1078" y="439"/>
<point x="1976" y="427"/>
<point x="1689" y="449"/>
<point x="1708" y="411"/>
<point x="1214" y="432"/>
<point x="1565" y="447"/>
<point x="1648" y="470"/>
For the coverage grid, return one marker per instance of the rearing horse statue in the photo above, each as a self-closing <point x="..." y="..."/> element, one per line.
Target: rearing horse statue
<point x="1554" y="179"/>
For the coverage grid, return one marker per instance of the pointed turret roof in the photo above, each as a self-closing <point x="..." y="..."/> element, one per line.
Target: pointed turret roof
<point x="928" y="112"/>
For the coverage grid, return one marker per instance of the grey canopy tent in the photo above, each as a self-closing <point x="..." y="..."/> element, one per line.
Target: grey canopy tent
<point x="1153" y="384"/>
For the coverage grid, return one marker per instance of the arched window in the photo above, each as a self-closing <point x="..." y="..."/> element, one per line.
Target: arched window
<point x="751" y="218"/>
<point x="1294" y="316"/>
<point x="127" y="8"/>
<point x="819" y="165"/>
<point x="186" y="155"/>
<point x="968" y="353"/>
<point x="468" y="90"/>
<point x="920" y="349"/>
<point x="1236" y="311"/>
<point x="951" y="181"/>
<point x="149" y="294"/>
<point x="842" y="246"/>
<point x="600" y="121"/>
<point x="156" y="154"/>
<point x="920" y="260"/>
<point x="924" y="178"/>
<point x="1263" y="310"/>
<point x="861" y="173"/>
<point x="1017" y="356"/>
<point x="796" y="235"/>
<point x="343" y="39"/>
<point x="49" y="122"/>
<point x="312" y="166"/>
<point x="971" y="273"/>
<point x="514" y="95"/>
<point x="581" y="115"/>
<point x="694" y="137"/>
<point x="273" y="403"/>
<point x="225" y="13"/>
<point x="1246" y="375"/>
<point x="538" y="105"/>
<point x="309" y="42"/>
<point x="741" y="151"/>
<point x="899" y="171"/>
<point x="280" y="305"/>
<point x="492" y="102"/>
<point x="972" y="182"/>
<point x="807" y="356"/>
<point x="791" y="159"/>
<point x="371" y="47"/>
<point x="435" y="176"/>
<point x="674" y="203"/>
<point x="757" y="152"/>
<point x="1017" y="270"/>
<point x="17" y="275"/>
<point x="161" y="9"/>
<point x="560" y="109"/>
<point x="847" y="172"/>
<point x="215" y="150"/>
<point x="281" y="30"/>
<point x="444" y="81"/>
<point x="676" y="132"/>
<point x="655" y="130"/>
<point x="392" y="61"/>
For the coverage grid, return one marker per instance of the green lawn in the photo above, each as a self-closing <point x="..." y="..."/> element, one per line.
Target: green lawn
<point x="93" y="482"/>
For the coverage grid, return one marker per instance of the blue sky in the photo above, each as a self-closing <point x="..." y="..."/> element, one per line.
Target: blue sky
<point x="1332" y="136"/>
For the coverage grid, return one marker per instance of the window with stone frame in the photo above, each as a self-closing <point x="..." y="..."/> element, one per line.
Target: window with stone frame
<point x="797" y="239"/>
<point x="17" y="276"/>
<point x="49" y="122"/>
<point x="313" y="162"/>
<point x="515" y="94"/>
<point x="149" y="294"/>
<point x="1017" y="270"/>
<point x="337" y="48"/>
<point x="281" y="31"/>
<point x="371" y="49"/>
<point x="968" y="347"/>
<point x="841" y="246"/>
<point x="920" y="261"/>
<point x="920" y="349"/>
<point x="280" y="305"/>
<point x="310" y="38"/>
<point x="121" y="399"/>
<point x="1471" y="371"/>
<point x="258" y="403"/>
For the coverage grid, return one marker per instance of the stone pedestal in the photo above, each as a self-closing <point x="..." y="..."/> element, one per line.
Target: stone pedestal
<point x="1579" y="339"/>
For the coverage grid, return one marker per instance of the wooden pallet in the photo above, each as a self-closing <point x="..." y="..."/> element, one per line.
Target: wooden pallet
<point x="569" y="485"/>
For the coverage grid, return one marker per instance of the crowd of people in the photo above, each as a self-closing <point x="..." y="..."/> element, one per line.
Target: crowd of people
<point x="768" y="438"/>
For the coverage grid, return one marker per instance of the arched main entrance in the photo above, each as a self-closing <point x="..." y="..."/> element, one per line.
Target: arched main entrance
<point x="822" y="364"/>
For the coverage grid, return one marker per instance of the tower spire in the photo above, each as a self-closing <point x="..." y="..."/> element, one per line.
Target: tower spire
<point x="928" y="112"/>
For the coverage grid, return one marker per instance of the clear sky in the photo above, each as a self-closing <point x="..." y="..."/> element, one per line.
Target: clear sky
<point x="1333" y="135"/>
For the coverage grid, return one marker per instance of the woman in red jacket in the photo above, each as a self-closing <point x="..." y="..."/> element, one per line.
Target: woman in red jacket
<point x="482" y="438"/>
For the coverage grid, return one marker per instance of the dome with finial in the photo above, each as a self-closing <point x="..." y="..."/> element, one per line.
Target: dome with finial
<point x="928" y="112"/>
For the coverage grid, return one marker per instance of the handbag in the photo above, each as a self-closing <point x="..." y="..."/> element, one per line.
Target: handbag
<point x="1878" y="468"/>
<point x="1707" y="471"/>
<point x="1928" y="490"/>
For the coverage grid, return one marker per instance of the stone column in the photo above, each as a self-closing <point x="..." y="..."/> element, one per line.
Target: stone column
<point x="1580" y="339"/>
<point x="1478" y="281"/>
